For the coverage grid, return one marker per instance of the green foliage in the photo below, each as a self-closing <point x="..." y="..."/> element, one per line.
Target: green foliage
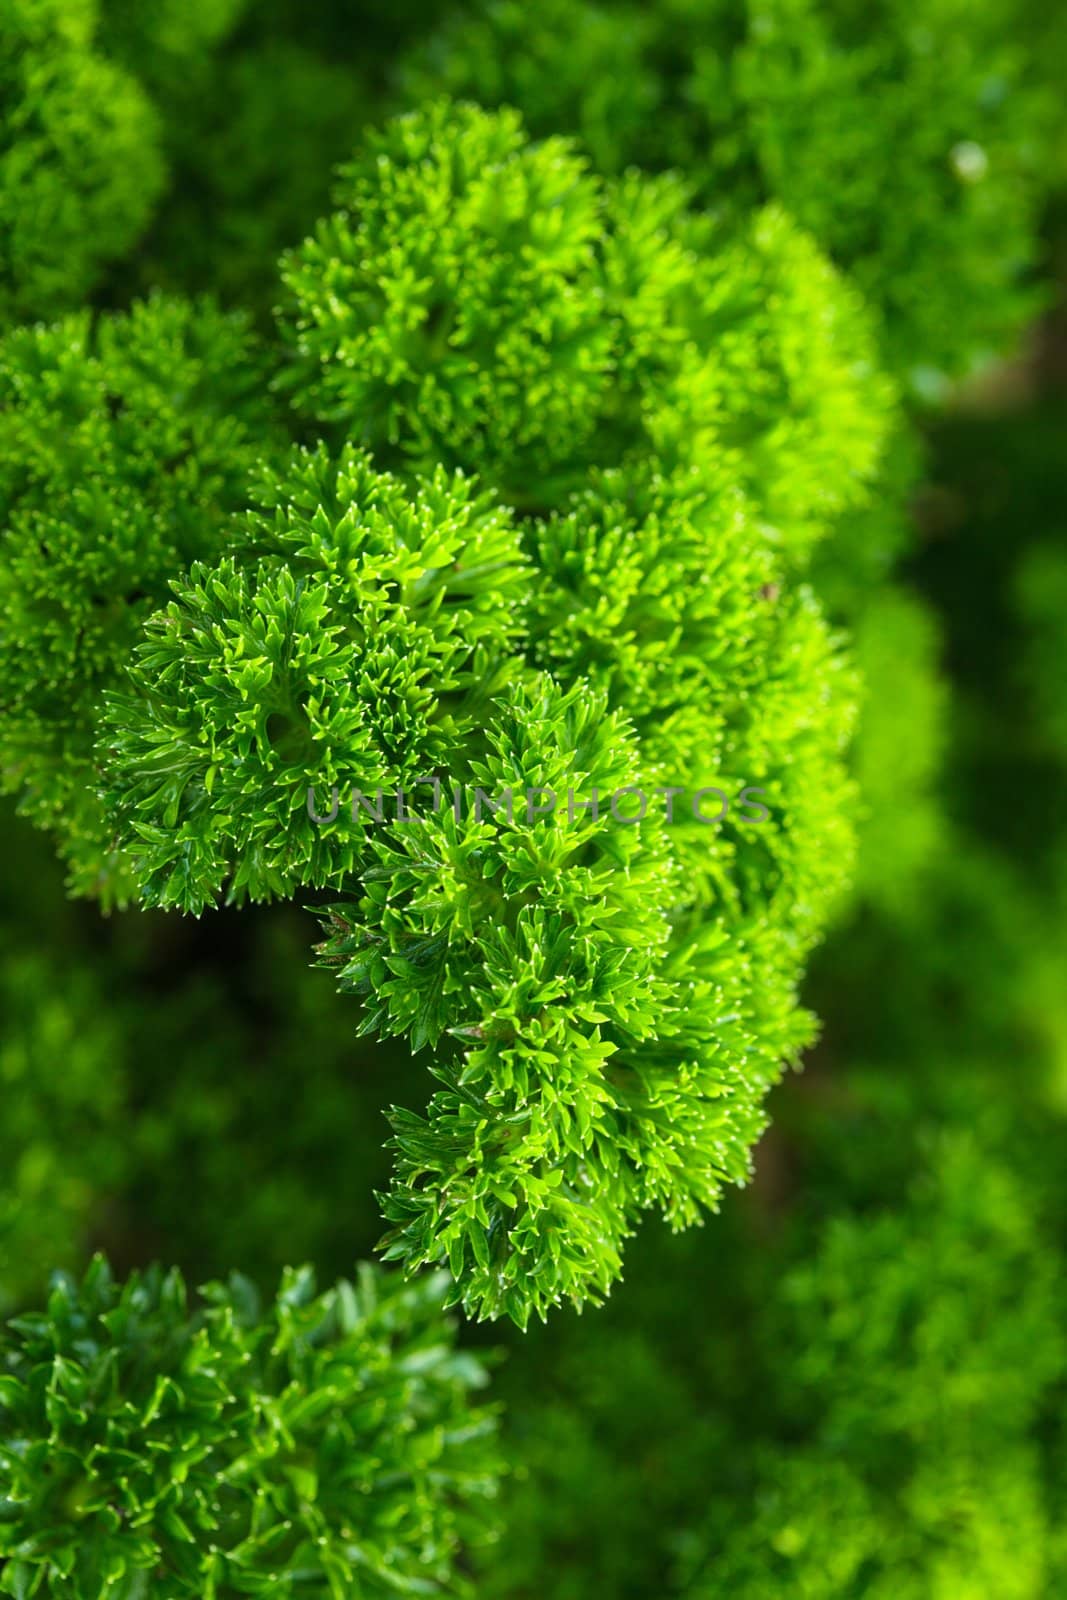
<point x="899" y="748"/>
<point x="125" y="442"/>
<point x="843" y="1389"/>
<point x="61" y="1150"/>
<point x="970" y="1528"/>
<point x="256" y="117"/>
<point x="515" y="940"/>
<point x="365" y="633"/>
<point x="321" y="1444"/>
<point x="351" y="644"/>
<point x="913" y="158"/>
<point x="958" y="1288"/>
<point x="586" y="467"/>
<point x="909" y="143"/>
<point x="246" y="188"/>
<point x="607" y="1003"/>
<point x="687" y="976"/>
<point x="603" y="1494"/>
<point x="870" y="540"/>
<point x="169" y="36"/>
<point x="593" y="71"/>
<point x="488" y="302"/>
<point x="927" y="1341"/>
<point x="664" y="596"/>
<point x="80" y="167"/>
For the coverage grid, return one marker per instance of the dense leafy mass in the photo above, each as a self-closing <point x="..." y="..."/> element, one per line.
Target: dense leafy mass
<point x="539" y="581"/>
<point x="608" y="999"/>
<point x="322" y="1444"/>
<point x="488" y="302"/>
<point x="349" y="643"/>
<point x="909" y="144"/>
<point x="607" y="1003"/>
<point x="124" y="442"/>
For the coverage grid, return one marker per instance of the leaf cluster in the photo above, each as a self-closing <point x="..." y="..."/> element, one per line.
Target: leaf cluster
<point x="323" y="1443"/>
<point x="913" y="145"/>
